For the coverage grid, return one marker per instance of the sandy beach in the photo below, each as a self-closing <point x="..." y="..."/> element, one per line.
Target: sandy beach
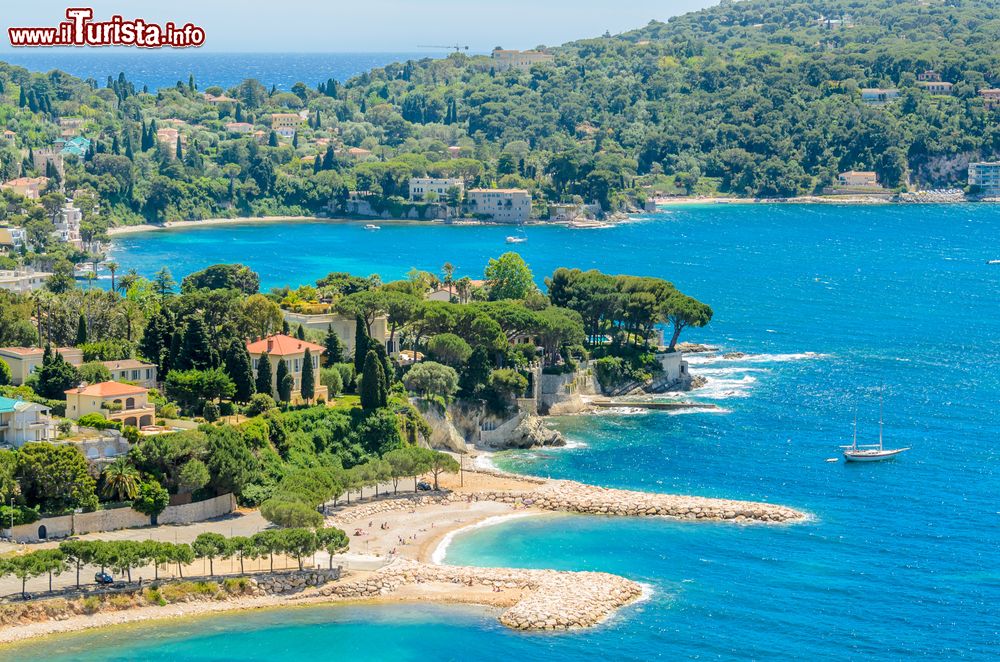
<point x="398" y="542"/>
<point x="179" y="225"/>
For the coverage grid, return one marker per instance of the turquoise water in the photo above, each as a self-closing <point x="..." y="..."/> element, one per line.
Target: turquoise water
<point x="830" y="304"/>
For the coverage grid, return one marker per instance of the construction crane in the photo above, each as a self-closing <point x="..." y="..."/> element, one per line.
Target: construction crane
<point x="457" y="47"/>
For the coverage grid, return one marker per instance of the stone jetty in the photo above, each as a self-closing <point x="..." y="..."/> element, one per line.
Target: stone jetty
<point x="573" y="497"/>
<point x="547" y="600"/>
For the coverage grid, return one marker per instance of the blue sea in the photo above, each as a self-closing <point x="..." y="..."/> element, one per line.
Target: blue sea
<point x="830" y="307"/>
<point x="157" y="69"/>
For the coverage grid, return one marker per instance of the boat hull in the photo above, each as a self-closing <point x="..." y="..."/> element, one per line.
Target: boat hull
<point x="875" y="456"/>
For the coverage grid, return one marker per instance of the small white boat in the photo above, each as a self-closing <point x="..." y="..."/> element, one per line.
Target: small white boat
<point x="372" y="226"/>
<point x="516" y="240"/>
<point x="993" y="262"/>
<point x="870" y="452"/>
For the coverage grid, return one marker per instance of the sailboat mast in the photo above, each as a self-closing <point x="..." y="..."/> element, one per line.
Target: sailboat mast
<point x="880" y="422"/>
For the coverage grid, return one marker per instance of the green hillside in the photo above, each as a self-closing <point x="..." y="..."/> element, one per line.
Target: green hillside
<point x="756" y="98"/>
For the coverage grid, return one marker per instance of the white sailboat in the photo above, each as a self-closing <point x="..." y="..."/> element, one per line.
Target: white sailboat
<point x="870" y="452"/>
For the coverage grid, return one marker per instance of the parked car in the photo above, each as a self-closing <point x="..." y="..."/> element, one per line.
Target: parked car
<point x="104" y="578"/>
<point x="424" y="487"/>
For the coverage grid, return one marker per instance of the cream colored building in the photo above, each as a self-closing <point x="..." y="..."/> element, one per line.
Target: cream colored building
<point x="113" y="400"/>
<point x="293" y="351"/>
<point x="521" y="60"/>
<point x="239" y="127"/>
<point x="29" y="187"/>
<point x="991" y="97"/>
<point x="421" y="186"/>
<point x="858" y="179"/>
<point x="67" y="222"/>
<point x="505" y="205"/>
<point x="131" y="370"/>
<point x="285" y="121"/>
<point x="936" y="86"/>
<point x="343" y="326"/>
<point x="26" y="361"/>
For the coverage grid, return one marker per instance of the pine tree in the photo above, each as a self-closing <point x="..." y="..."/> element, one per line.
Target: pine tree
<point x="334" y="348"/>
<point x="372" y="383"/>
<point x="284" y="392"/>
<point x="81" y="330"/>
<point x="308" y="377"/>
<point x="361" y="343"/>
<point x="300" y="332"/>
<point x="239" y="369"/>
<point x="262" y="384"/>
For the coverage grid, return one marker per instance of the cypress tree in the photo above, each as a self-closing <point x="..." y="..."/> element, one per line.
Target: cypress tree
<point x="317" y="163"/>
<point x="284" y="392"/>
<point x="81" y="330"/>
<point x="300" y="332"/>
<point x="263" y="382"/>
<point x="196" y="350"/>
<point x="239" y="369"/>
<point x="272" y="140"/>
<point x="295" y="140"/>
<point x="180" y="150"/>
<point x="170" y="358"/>
<point x="334" y="348"/>
<point x="372" y="383"/>
<point x="308" y="377"/>
<point x="284" y="327"/>
<point x="361" y="343"/>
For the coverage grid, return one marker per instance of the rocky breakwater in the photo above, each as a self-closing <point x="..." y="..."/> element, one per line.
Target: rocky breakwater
<point x="570" y="496"/>
<point x="545" y="600"/>
<point x="279" y="583"/>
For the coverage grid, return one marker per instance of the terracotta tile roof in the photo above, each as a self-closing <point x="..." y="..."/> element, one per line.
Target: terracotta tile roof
<point x="107" y="389"/>
<point x="282" y="345"/>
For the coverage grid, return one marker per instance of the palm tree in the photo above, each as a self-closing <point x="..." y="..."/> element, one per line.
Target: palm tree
<point x="121" y="480"/>
<point x="464" y="288"/>
<point x="128" y="280"/>
<point x="448" y="271"/>
<point x="112" y="267"/>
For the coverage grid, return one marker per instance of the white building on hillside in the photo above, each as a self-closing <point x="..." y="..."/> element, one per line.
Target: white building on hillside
<point x="505" y="205"/>
<point x="421" y="186"/>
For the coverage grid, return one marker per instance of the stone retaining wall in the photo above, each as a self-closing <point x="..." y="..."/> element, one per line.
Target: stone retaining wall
<point x="551" y="599"/>
<point x="292" y="582"/>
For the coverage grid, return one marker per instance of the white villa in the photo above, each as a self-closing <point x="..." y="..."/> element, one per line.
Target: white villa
<point x="421" y="186"/>
<point x="506" y="205"/>
<point x="22" y="421"/>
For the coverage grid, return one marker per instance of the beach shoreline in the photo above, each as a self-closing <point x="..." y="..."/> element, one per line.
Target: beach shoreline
<point x="406" y="537"/>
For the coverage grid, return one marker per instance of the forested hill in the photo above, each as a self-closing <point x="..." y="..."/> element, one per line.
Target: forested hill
<point x="757" y="98"/>
<point x="763" y="96"/>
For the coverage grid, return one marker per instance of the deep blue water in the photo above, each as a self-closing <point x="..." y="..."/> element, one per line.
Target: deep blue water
<point x="164" y="68"/>
<point x="830" y="304"/>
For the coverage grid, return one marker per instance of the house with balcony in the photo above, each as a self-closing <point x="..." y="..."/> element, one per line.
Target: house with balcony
<point x="292" y="351"/>
<point x="990" y="97"/>
<point x="420" y="187"/>
<point x="22" y="421"/>
<point x="521" y="60"/>
<point x="113" y="400"/>
<point x="29" y="187"/>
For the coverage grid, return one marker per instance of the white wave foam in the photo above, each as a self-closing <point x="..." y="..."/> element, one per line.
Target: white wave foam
<point x="647" y="592"/>
<point x="689" y="412"/>
<point x="719" y="389"/>
<point x="571" y="444"/>
<point x="780" y="358"/>
<point x="441" y="551"/>
<point x="485" y="462"/>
